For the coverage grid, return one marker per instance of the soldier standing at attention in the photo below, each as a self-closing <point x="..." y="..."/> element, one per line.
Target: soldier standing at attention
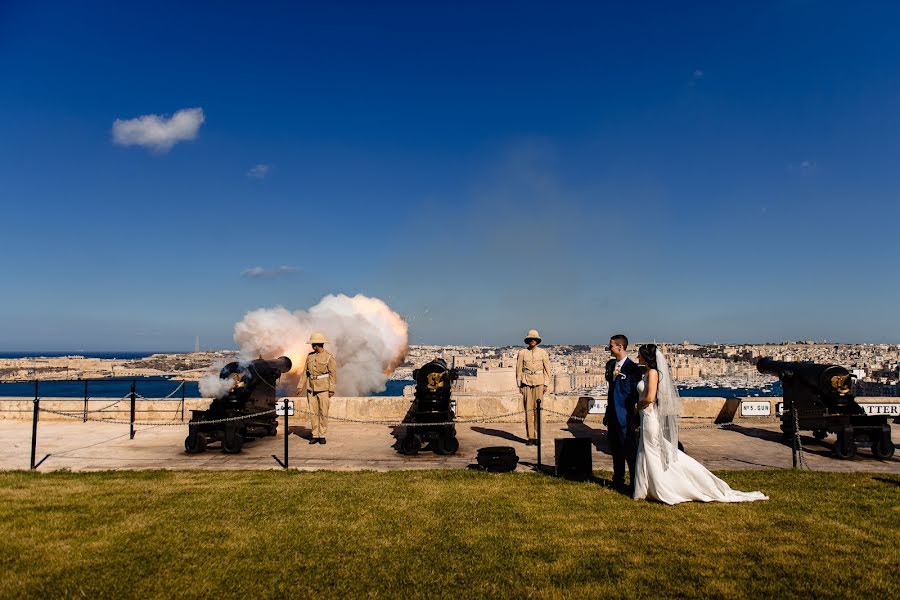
<point x="532" y="377"/>
<point x="321" y="375"/>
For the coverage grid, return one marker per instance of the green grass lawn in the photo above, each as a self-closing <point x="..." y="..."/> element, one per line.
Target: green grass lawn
<point x="439" y="533"/>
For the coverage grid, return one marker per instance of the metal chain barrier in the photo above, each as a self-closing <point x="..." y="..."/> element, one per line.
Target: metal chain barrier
<point x="680" y="427"/>
<point x="800" y="458"/>
<point x="172" y="393"/>
<point x="387" y="423"/>
<point x="80" y="416"/>
<point x="108" y="406"/>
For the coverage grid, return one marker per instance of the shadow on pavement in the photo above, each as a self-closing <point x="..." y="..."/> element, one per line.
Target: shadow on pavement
<point x="597" y="436"/>
<point x="300" y="431"/>
<point x="506" y="435"/>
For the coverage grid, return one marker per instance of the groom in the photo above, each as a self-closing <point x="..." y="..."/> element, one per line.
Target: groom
<point x="620" y="419"/>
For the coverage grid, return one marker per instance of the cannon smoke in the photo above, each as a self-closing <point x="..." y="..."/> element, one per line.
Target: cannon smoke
<point x="368" y="339"/>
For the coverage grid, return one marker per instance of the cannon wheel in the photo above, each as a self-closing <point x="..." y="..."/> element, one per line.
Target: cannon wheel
<point x="272" y="429"/>
<point x="410" y="444"/>
<point x="820" y="434"/>
<point x="195" y="443"/>
<point x="883" y="447"/>
<point x="447" y="444"/>
<point x="845" y="446"/>
<point x="232" y="444"/>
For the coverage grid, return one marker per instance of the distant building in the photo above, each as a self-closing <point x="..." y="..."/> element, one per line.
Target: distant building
<point x="486" y="380"/>
<point x="876" y="389"/>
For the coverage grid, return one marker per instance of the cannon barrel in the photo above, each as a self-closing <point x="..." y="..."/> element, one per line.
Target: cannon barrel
<point x="275" y="366"/>
<point x="831" y="381"/>
<point x="818" y="398"/>
<point x="281" y="365"/>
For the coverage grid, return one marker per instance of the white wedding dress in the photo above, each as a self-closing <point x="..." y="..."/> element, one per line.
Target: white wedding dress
<point x="684" y="479"/>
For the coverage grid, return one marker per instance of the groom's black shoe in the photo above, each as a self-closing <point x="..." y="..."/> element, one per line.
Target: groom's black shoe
<point x="314" y="441"/>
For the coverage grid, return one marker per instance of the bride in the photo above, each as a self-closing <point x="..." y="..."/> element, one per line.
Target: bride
<point x="663" y="472"/>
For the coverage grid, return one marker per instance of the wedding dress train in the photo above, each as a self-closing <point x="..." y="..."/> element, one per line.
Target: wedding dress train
<point x="683" y="479"/>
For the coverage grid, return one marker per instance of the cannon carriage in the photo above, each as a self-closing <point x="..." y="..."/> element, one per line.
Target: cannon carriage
<point x="824" y="403"/>
<point x="431" y="404"/>
<point x="248" y="405"/>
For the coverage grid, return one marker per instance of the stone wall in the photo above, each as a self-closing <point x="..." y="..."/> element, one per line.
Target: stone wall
<point x="468" y="406"/>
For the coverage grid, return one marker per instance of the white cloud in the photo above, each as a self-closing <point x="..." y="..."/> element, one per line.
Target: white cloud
<point x="804" y="167"/>
<point x="263" y="273"/>
<point x="259" y="171"/>
<point x="698" y="74"/>
<point x="157" y="132"/>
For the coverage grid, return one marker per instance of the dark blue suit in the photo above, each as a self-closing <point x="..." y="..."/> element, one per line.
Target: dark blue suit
<point x="621" y="422"/>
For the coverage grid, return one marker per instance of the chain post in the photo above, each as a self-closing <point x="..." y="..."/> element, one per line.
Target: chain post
<point x="539" y="440"/>
<point x="182" y="399"/>
<point x="85" y="400"/>
<point x="131" y="420"/>
<point x="284" y="464"/>
<point x="287" y="431"/>
<point x="795" y="438"/>
<point x="34" y="421"/>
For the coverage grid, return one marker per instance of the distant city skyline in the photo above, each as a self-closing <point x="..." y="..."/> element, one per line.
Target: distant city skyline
<point x="710" y="172"/>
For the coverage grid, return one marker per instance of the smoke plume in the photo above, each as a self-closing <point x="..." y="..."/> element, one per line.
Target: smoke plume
<point x="367" y="338"/>
<point x="211" y="386"/>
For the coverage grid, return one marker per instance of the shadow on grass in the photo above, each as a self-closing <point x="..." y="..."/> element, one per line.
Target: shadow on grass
<point x="894" y="482"/>
<point x="603" y="482"/>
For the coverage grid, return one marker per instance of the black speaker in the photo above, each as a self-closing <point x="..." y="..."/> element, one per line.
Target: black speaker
<point x="573" y="458"/>
<point x="499" y="459"/>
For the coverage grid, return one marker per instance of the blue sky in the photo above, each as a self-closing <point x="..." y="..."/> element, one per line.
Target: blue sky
<point x="712" y="172"/>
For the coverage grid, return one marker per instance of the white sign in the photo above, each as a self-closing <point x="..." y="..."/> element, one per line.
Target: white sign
<point x="890" y="410"/>
<point x="755" y="409"/>
<point x="597" y="407"/>
<point x="279" y="408"/>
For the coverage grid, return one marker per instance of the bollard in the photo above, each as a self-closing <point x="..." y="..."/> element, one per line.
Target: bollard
<point x="131" y="420"/>
<point x="538" y="423"/>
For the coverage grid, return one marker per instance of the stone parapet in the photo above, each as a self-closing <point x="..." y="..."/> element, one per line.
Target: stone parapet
<point x="394" y="408"/>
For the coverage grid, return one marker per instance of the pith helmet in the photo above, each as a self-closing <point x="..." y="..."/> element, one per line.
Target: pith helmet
<point x="533" y="335"/>
<point x="317" y="338"/>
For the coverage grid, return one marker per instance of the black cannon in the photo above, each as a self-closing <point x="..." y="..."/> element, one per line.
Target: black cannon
<point x="431" y="404"/>
<point x="252" y="396"/>
<point x="822" y="396"/>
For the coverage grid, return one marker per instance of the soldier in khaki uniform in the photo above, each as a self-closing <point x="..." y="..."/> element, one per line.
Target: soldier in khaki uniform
<point x="532" y="377"/>
<point x="319" y="383"/>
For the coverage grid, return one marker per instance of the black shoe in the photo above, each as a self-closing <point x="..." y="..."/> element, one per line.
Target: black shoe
<point x="532" y="442"/>
<point x="314" y="441"/>
<point x="321" y="440"/>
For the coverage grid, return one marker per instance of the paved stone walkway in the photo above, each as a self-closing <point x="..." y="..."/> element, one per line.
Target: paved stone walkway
<point x="98" y="446"/>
